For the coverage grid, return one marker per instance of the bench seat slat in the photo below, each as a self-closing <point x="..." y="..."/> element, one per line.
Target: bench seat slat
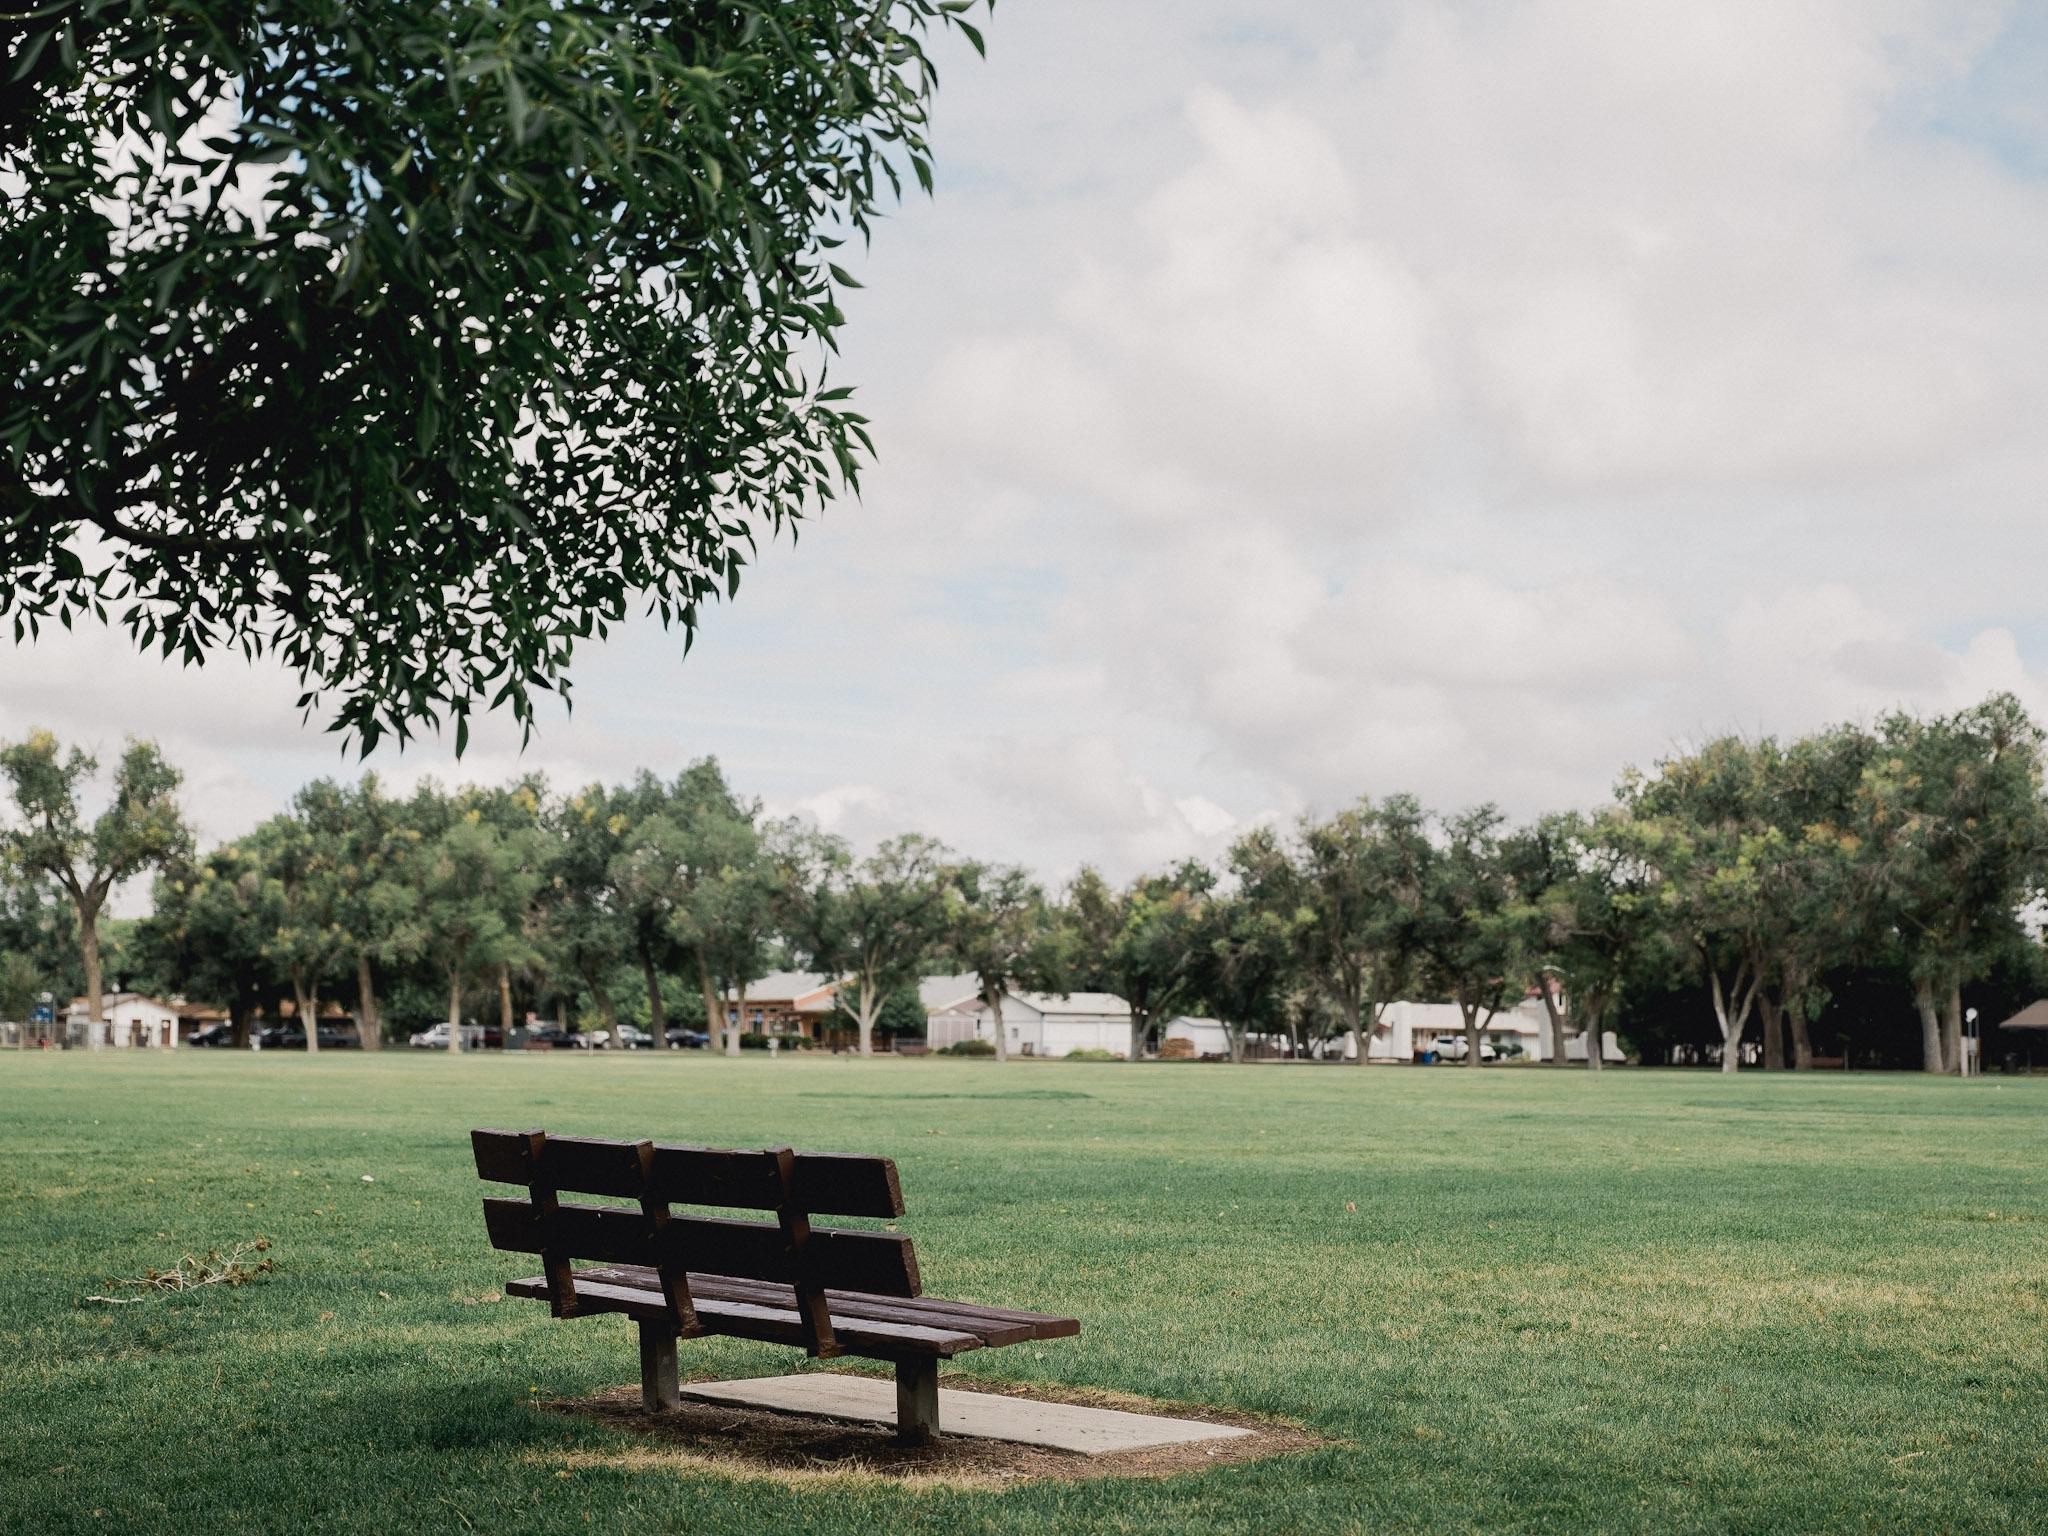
<point x="994" y="1326"/>
<point x="751" y="1320"/>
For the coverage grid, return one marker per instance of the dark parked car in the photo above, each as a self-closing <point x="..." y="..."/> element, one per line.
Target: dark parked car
<point x="292" y="1037"/>
<point x="214" y="1035"/>
<point x="687" y="1039"/>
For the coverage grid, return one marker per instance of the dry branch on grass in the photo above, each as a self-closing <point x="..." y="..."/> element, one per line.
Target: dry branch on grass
<point x="189" y="1273"/>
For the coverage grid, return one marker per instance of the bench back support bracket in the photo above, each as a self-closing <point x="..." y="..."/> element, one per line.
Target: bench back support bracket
<point x="547" y="1207"/>
<point x="796" y="1235"/>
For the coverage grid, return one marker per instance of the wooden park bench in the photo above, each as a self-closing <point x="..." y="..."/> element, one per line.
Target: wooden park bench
<point x="828" y="1290"/>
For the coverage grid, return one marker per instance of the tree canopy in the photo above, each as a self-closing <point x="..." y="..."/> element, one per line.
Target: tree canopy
<point x="141" y="828"/>
<point x="411" y="343"/>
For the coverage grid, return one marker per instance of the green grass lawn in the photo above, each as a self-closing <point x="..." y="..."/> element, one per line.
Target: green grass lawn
<point x="1518" y="1299"/>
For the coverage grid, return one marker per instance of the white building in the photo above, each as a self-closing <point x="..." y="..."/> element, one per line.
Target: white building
<point x="942" y="994"/>
<point x="1610" y="1048"/>
<point x="1041" y="1024"/>
<point x="1209" y="1039"/>
<point x="1410" y="1031"/>
<point x="1205" y="1037"/>
<point x="129" y="1018"/>
<point x="1038" y="1023"/>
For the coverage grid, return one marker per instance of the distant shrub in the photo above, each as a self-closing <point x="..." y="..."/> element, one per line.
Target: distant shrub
<point x="969" y="1048"/>
<point x="1092" y="1053"/>
<point x="1177" y="1049"/>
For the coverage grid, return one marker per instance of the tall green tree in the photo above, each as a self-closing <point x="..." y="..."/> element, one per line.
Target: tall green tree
<point x="1245" y="964"/>
<point x="746" y="899"/>
<point x="1595" y="930"/>
<point x="1143" y="943"/>
<point x="1818" y="916"/>
<point x="300" y="863"/>
<point x="37" y="951"/>
<point x="478" y="880"/>
<point x="1469" y="934"/>
<point x="876" y="921"/>
<point x="688" y="857"/>
<point x="375" y="903"/>
<point x="1542" y="862"/>
<point x="1955" y="839"/>
<point x="38" y="946"/>
<point x="1701" y="823"/>
<point x="1001" y="929"/>
<point x="518" y="811"/>
<point x="1359" y="879"/>
<point x="209" y="925"/>
<point x="430" y="336"/>
<point x="580" y="928"/>
<point x="142" y="828"/>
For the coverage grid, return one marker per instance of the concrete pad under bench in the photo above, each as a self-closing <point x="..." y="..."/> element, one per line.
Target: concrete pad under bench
<point x="980" y="1415"/>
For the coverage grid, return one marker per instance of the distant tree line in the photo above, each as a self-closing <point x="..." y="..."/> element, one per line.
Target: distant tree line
<point x="1739" y="892"/>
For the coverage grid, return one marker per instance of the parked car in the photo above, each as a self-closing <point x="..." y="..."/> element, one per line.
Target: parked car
<point x="687" y="1039"/>
<point x="1454" y="1048"/>
<point x="474" y="1038"/>
<point x="292" y="1037"/>
<point x="213" y="1036"/>
<point x="631" y="1039"/>
<point x="548" y="1037"/>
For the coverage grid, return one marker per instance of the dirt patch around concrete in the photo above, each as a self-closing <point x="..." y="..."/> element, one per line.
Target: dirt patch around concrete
<point x="755" y="1442"/>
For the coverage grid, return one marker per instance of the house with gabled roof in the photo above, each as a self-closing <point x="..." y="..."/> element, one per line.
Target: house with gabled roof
<point x="127" y="1018"/>
<point x="789" y="1003"/>
<point x="1037" y="1023"/>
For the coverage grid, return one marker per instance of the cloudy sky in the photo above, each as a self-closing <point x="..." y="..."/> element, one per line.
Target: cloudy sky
<point x="1284" y="401"/>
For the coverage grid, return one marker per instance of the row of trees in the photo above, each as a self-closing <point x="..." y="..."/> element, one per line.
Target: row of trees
<point x="1749" y="870"/>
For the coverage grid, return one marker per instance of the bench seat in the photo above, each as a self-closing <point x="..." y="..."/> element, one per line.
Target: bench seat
<point x="880" y="1327"/>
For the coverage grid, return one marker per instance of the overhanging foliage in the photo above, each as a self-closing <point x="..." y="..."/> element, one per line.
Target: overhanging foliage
<point x="413" y="342"/>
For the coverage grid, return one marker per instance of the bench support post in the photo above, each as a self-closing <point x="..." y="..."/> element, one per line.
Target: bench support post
<point x="658" y="1387"/>
<point x="917" y="1400"/>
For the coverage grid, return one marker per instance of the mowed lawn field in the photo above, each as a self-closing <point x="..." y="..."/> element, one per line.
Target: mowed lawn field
<point x="1516" y="1300"/>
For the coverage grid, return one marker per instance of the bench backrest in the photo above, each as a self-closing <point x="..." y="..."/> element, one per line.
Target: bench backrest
<point x="788" y="1250"/>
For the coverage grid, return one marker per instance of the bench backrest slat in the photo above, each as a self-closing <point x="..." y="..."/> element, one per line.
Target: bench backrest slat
<point x="883" y="1262"/>
<point x="826" y="1184"/>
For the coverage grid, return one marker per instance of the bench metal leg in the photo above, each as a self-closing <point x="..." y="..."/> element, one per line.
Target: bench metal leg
<point x="658" y="1388"/>
<point x="917" y="1401"/>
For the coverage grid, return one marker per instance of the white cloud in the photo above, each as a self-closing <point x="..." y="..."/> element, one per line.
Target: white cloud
<point x="1287" y="402"/>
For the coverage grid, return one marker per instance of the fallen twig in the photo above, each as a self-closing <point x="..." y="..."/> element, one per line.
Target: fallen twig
<point x="190" y="1272"/>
